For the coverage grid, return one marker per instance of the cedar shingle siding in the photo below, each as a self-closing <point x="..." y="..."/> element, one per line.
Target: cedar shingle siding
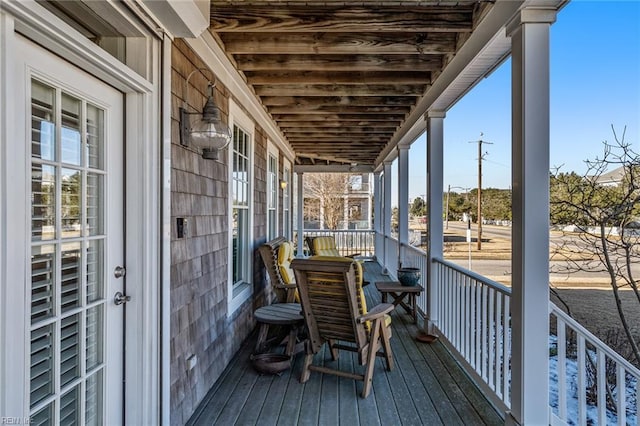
<point x="199" y="261"/>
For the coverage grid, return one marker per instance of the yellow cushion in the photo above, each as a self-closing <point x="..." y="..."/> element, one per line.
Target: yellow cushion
<point x="285" y="256"/>
<point x="325" y="246"/>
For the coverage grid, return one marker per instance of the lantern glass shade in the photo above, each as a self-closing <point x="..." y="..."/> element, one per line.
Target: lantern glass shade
<point x="208" y="132"/>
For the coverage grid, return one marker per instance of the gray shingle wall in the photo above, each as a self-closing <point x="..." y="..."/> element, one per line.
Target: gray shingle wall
<point x="199" y="261"/>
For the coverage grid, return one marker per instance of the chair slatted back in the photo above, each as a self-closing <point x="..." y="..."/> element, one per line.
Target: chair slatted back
<point x="269" y="253"/>
<point x="330" y="302"/>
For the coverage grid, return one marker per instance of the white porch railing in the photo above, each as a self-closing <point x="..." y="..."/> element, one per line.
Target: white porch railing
<point x="474" y="317"/>
<point x="349" y="241"/>
<point x="392" y="254"/>
<point x="589" y="382"/>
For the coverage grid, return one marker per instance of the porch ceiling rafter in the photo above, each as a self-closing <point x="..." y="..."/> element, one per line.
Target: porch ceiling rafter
<point x="339" y="19"/>
<point x="340" y="78"/>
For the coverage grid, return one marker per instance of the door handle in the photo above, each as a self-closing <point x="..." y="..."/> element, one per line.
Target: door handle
<point x="121" y="299"/>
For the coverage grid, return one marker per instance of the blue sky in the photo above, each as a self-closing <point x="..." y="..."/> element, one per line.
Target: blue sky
<point x="595" y="83"/>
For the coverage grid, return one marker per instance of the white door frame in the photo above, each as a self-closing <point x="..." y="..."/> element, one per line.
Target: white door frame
<point x="143" y="218"/>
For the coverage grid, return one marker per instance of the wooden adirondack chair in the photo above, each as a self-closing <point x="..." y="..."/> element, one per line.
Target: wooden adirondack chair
<point x="333" y="313"/>
<point x="276" y="255"/>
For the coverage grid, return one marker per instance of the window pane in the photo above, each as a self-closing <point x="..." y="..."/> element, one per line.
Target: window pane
<point x="95" y="270"/>
<point x="95" y="190"/>
<point x="42" y="417"/>
<point x="70" y="407"/>
<point x="43" y="261"/>
<point x="41" y="370"/>
<point x="43" y="202"/>
<point x="69" y="349"/>
<point x="42" y="121"/>
<point x="71" y="147"/>
<point x="94" y="337"/>
<point x="93" y="409"/>
<point x="71" y="199"/>
<point x="95" y="137"/>
<point x="70" y="276"/>
<point x="240" y="242"/>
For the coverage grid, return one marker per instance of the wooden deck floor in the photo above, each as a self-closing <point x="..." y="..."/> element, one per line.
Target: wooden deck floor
<point x="426" y="387"/>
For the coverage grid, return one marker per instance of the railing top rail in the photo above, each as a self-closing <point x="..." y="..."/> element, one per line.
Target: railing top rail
<point x="338" y="231"/>
<point x="414" y="248"/>
<point x="495" y="285"/>
<point x="553" y="308"/>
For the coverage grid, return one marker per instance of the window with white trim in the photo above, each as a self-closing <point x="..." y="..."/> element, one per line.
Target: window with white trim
<point x="286" y="200"/>
<point x="241" y="211"/>
<point x="272" y="194"/>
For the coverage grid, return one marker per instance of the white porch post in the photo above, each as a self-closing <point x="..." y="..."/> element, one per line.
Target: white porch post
<point x="403" y="201"/>
<point x="386" y="211"/>
<point x="345" y="207"/>
<point x="435" y="158"/>
<point x="300" y="196"/>
<point x="377" y="217"/>
<point x="529" y="33"/>
<point x="369" y="200"/>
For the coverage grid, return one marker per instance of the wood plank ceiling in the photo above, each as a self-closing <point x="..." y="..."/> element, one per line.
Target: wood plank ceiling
<point x="339" y="77"/>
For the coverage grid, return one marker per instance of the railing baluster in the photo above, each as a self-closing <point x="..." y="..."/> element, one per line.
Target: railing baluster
<point x="506" y="358"/>
<point x="582" y="382"/>
<point x="561" y="366"/>
<point x="485" y="333"/>
<point x="499" y="330"/>
<point x="621" y="403"/>
<point x="467" y="317"/>
<point x="478" y="329"/>
<point x="601" y="386"/>
<point x="491" y="338"/>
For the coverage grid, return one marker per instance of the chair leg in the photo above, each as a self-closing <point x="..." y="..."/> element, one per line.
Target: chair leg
<point x="371" y="357"/>
<point x="386" y="345"/>
<point x="334" y="351"/>
<point x="262" y="337"/>
<point x="305" y="367"/>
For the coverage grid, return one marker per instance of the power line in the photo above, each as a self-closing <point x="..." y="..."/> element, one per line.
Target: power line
<point x="480" y="158"/>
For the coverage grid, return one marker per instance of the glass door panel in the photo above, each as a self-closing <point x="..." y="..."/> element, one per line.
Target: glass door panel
<point x="67" y="317"/>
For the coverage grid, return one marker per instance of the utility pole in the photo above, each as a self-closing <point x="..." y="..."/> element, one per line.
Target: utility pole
<point x="446" y="217"/>
<point x="480" y="158"/>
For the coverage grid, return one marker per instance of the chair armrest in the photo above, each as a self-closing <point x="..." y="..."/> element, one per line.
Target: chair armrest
<point x="286" y="286"/>
<point x="377" y="312"/>
<point x="353" y="255"/>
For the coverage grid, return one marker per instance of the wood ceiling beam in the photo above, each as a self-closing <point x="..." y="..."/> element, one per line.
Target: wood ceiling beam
<point x="334" y="141"/>
<point x="408" y="63"/>
<point x="341" y="89"/>
<point x="337" y="117"/>
<point x="340" y="43"/>
<point x="337" y="77"/>
<point x="334" y="135"/>
<point x="245" y="18"/>
<point x="338" y="100"/>
<point x="338" y="109"/>
<point x="338" y="130"/>
<point x="384" y="124"/>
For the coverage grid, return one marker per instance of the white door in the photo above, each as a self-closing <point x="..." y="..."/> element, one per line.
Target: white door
<point x="74" y="329"/>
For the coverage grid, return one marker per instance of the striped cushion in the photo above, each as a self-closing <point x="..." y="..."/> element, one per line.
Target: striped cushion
<point x="325" y="246"/>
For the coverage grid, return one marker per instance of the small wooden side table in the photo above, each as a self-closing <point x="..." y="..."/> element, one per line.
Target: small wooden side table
<point x="286" y="314"/>
<point x="399" y="292"/>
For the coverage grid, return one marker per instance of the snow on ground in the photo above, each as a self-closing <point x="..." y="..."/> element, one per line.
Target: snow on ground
<point x="571" y="369"/>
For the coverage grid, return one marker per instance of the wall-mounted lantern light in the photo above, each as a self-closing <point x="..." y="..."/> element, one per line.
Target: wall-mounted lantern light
<point x="207" y="132"/>
<point x="283" y="184"/>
